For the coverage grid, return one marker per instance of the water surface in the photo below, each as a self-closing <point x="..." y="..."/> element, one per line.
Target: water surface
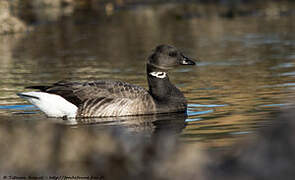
<point x="246" y="72"/>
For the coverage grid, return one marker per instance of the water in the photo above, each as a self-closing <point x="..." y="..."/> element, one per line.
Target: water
<point x="246" y="72"/>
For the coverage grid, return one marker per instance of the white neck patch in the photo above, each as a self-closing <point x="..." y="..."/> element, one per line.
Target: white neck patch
<point x="160" y="75"/>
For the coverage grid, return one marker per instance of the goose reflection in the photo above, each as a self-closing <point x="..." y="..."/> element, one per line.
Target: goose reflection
<point x="172" y="123"/>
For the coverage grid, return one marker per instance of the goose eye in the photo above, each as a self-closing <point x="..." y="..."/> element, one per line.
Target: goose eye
<point x="172" y="54"/>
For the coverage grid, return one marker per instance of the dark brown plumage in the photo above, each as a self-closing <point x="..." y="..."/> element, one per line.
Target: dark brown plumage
<point x="103" y="98"/>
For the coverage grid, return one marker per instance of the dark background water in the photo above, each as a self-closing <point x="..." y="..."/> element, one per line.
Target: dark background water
<point x="246" y="72"/>
<point x="245" y="78"/>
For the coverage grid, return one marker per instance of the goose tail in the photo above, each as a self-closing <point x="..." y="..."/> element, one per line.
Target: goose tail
<point x="51" y="104"/>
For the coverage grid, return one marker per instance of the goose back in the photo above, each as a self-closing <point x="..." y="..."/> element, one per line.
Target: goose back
<point x="103" y="97"/>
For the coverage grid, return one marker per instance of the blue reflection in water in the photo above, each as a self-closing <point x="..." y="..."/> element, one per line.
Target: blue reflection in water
<point x="193" y="119"/>
<point x="275" y="105"/>
<point x="22" y="109"/>
<point x="279" y="85"/>
<point x="283" y="65"/>
<point x="19" y="107"/>
<point x="207" y="105"/>
<point x="192" y="113"/>
<point x="240" y="132"/>
<point x="287" y="74"/>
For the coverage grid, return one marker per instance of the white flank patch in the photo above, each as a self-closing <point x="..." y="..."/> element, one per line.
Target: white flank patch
<point x="52" y="105"/>
<point x="158" y="74"/>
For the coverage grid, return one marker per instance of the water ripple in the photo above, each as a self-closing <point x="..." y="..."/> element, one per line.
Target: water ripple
<point x="19" y="107"/>
<point x="207" y="105"/>
<point x="193" y="113"/>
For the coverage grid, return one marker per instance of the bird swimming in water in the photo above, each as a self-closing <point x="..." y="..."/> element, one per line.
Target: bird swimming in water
<point x="107" y="98"/>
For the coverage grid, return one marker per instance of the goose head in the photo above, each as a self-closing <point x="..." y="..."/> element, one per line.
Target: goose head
<point x="168" y="57"/>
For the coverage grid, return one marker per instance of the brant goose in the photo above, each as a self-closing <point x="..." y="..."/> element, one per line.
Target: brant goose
<point x="105" y="98"/>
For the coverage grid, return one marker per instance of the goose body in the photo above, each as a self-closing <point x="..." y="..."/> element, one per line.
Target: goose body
<point x="105" y="98"/>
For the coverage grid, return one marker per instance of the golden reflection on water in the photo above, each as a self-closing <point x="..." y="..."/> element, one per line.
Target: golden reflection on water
<point x="240" y="69"/>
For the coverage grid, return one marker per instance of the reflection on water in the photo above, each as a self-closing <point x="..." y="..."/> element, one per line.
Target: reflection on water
<point x="150" y="125"/>
<point x="246" y="72"/>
